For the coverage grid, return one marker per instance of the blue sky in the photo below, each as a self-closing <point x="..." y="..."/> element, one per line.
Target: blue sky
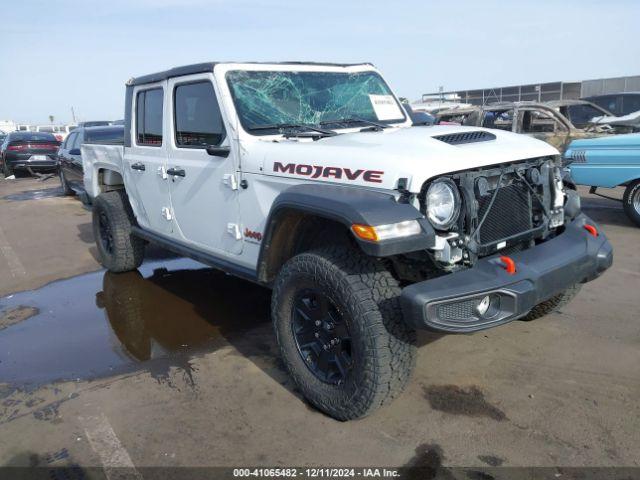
<point x="55" y="55"/>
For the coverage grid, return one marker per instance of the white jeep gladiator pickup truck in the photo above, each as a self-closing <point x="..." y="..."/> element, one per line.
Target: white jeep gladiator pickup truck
<point x="309" y="179"/>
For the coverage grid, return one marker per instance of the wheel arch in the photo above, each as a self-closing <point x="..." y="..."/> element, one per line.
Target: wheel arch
<point x="306" y="216"/>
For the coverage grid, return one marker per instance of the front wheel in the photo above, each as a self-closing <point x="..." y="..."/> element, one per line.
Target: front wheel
<point x="554" y="304"/>
<point x="631" y="201"/>
<point x="118" y="249"/>
<point x="340" y="331"/>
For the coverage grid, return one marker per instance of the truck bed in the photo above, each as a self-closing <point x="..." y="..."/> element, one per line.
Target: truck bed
<point x="96" y="158"/>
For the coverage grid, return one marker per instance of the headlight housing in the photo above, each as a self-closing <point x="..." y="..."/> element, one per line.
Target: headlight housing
<point x="442" y="203"/>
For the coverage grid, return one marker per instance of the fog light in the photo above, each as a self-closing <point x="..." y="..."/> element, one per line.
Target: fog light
<point x="489" y="306"/>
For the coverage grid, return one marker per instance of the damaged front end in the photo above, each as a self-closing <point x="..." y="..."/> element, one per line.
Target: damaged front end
<point x="502" y="209"/>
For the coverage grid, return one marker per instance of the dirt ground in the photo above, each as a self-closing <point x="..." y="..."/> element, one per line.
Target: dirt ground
<point x="176" y="366"/>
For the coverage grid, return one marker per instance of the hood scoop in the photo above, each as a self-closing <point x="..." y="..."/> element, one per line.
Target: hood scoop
<point x="465" y="137"/>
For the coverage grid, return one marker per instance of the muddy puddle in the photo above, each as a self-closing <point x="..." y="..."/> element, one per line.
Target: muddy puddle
<point x="100" y="323"/>
<point x="35" y="194"/>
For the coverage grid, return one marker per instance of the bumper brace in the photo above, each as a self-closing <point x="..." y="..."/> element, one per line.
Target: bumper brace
<point x="452" y="303"/>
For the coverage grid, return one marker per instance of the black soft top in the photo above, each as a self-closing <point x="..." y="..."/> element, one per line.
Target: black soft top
<point x="208" y="66"/>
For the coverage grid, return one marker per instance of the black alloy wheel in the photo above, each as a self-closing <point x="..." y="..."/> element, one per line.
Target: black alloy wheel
<point x="322" y="336"/>
<point x="106" y="236"/>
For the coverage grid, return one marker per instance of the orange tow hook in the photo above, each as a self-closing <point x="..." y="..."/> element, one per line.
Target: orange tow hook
<point x="591" y="229"/>
<point x="508" y="264"/>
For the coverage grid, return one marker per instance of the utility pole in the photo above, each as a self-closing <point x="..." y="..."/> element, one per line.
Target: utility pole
<point x="73" y="115"/>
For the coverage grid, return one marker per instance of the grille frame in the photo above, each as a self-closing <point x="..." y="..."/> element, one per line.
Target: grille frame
<point x="510" y="215"/>
<point x="467" y="226"/>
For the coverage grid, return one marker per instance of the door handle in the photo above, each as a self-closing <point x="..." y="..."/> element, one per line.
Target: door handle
<point x="176" y="172"/>
<point x="138" y="166"/>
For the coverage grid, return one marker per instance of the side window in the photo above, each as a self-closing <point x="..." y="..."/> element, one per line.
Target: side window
<point x="68" y="143"/>
<point x="534" y="121"/>
<point x="149" y="117"/>
<point x="502" y="120"/>
<point x="79" y="139"/>
<point x="198" y="121"/>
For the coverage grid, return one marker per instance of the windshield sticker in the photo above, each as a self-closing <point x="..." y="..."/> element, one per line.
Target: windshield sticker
<point x="385" y="107"/>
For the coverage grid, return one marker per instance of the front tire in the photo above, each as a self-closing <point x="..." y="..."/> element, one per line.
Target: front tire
<point x="631" y="201"/>
<point x="554" y="304"/>
<point x="118" y="249"/>
<point x="340" y="331"/>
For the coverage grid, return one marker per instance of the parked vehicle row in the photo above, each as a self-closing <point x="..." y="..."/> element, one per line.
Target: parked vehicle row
<point x="556" y="123"/>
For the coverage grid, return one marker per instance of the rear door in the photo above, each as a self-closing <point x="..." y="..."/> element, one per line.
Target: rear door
<point x="145" y="160"/>
<point x="203" y="186"/>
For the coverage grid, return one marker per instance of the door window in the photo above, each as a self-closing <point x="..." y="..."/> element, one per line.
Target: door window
<point x="149" y="117"/>
<point x="198" y="121"/>
<point x="69" y="141"/>
<point x="535" y="121"/>
<point x="500" y="119"/>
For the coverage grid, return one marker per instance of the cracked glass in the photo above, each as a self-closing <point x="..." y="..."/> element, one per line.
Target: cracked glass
<point x="270" y="98"/>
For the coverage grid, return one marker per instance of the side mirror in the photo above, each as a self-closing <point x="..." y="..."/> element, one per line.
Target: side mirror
<point x="218" y="151"/>
<point x="75" y="151"/>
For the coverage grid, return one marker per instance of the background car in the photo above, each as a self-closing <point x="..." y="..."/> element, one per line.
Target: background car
<point x="70" y="157"/>
<point x="609" y="162"/>
<point x="419" y="117"/>
<point x="29" y="150"/>
<point x="618" y="104"/>
<point x="579" y="112"/>
<point x="538" y="120"/>
<point x="3" y="135"/>
<point x="95" y="123"/>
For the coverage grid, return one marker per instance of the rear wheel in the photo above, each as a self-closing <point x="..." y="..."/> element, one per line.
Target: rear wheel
<point x="631" y="201"/>
<point x="63" y="182"/>
<point x="6" y="169"/>
<point x="339" y="326"/>
<point x="118" y="249"/>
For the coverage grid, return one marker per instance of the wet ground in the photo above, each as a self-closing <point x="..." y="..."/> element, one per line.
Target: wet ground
<point x="176" y="365"/>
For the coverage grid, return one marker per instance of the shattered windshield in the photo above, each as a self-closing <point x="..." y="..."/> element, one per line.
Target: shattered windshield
<point x="267" y="101"/>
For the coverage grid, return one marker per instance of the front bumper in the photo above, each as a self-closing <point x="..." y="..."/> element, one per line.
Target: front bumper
<point x="449" y="303"/>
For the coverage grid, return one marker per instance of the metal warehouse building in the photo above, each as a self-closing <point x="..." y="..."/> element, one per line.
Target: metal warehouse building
<point x="540" y="92"/>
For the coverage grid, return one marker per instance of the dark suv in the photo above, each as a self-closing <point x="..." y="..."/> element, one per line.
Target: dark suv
<point x="29" y="151"/>
<point x="71" y="171"/>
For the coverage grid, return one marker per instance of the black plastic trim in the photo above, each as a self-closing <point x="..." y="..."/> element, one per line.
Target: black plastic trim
<point x="196" y="254"/>
<point x="349" y="205"/>
<point x="575" y="256"/>
<point x="208" y="67"/>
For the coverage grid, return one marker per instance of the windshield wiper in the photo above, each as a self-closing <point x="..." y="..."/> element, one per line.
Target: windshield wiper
<point x="294" y="126"/>
<point x="346" y="121"/>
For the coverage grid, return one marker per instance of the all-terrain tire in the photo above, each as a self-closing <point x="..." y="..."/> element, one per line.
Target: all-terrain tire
<point x="118" y="249"/>
<point x="66" y="190"/>
<point x="631" y="201"/>
<point x="553" y="304"/>
<point x="382" y="345"/>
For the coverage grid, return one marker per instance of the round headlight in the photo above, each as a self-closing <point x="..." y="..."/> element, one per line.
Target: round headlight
<point x="443" y="204"/>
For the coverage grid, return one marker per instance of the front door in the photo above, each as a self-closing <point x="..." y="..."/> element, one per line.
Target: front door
<point x="145" y="160"/>
<point x="544" y="126"/>
<point x="203" y="186"/>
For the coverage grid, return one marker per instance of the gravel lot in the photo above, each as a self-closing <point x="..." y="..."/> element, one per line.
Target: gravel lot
<point x="177" y="366"/>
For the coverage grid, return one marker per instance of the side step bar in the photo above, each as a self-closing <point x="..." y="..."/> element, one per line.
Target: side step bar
<point x="198" y="255"/>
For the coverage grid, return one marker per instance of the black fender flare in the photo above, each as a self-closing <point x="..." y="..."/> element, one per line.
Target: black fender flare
<point x="348" y="206"/>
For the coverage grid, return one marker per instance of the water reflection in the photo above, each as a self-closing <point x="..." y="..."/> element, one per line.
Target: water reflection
<point x="101" y="323"/>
